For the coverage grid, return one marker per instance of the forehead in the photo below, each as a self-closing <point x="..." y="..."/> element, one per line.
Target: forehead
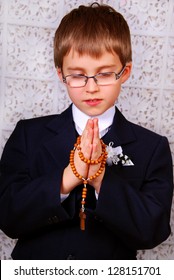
<point x="74" y="60"/>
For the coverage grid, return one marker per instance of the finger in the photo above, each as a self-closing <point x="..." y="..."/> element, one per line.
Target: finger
<point x="87" y="139"/>
<point x="88" y="131"/>
<point x="96" y="137"/>
<point x="96" y="148"/>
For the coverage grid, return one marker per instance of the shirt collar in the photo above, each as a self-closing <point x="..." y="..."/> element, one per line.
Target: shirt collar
<point x="105" y="120"/>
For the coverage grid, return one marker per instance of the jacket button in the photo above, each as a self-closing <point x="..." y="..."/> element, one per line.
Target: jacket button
<point x="70" y="257"/>
<point x="55" y="219"/>
<point x="49" y="221"/>
<point x="98" y="219"/>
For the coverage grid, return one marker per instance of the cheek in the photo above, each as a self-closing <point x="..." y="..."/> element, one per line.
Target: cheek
<point x="113" y="94"/>
<point x="74" y="94"/>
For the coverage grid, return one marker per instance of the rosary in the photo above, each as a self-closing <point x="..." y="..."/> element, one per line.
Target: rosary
<point x="101" y="160"/>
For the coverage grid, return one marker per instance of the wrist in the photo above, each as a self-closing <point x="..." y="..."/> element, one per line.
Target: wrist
<point x="96" y="186"/>
<point x="69" y="181"/>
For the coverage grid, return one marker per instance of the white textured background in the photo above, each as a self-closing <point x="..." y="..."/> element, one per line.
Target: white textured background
<point x="29" y="86"/>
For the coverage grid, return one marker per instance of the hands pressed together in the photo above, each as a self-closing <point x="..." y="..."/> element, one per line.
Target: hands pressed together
<point x="91" y="148"/>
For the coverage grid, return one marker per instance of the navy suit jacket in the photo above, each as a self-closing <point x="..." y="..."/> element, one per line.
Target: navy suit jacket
<point x="133" y="207"/>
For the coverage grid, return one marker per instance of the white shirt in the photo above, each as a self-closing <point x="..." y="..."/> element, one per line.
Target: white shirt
<point x="105" y="120"/>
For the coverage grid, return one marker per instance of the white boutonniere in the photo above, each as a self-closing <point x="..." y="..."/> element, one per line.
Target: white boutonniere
<point x="115" y="156"/>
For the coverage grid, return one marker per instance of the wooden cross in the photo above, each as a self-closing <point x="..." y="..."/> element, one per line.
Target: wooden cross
<point x="82" y="216"/>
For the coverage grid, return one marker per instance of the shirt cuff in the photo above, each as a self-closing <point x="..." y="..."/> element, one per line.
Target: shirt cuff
<point x="63" y="196"/>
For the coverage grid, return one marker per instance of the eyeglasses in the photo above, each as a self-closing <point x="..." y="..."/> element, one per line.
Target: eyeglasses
<point x="101" y="79"/>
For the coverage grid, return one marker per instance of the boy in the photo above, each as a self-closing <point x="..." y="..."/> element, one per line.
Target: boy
<point x="92" y="201"/>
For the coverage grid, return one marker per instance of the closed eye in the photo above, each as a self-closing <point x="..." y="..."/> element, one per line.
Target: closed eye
<point x="106" y="74"/>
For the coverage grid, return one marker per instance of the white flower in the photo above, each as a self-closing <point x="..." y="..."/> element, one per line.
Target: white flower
<point x="115" y="155"/>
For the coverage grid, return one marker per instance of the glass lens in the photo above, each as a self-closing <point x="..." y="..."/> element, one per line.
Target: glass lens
<point x="76" y="81"/>
<point x="105" y="78"/>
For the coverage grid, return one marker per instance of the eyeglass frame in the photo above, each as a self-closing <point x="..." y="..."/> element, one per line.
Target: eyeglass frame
<point x="117" y="76"/>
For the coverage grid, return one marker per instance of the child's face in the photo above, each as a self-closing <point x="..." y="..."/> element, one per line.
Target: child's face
<point x="93" y="99"/>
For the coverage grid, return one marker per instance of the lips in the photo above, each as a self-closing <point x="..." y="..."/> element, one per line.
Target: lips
<point x="93" y="102"/>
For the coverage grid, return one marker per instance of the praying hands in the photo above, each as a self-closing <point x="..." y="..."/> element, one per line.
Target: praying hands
<point x="91" y="147"/>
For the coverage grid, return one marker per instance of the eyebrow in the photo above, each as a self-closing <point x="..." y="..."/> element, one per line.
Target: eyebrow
<point x="97" y="69"/>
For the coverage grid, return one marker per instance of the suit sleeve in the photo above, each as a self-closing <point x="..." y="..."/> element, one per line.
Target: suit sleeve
<point x="139" y="216"/>
<point x="26" y="203"/>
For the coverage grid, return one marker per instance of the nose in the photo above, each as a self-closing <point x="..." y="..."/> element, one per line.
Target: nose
<point x="91" y="85"/>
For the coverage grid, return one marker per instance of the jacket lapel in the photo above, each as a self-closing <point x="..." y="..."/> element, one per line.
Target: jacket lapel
<point x="121" y="131"/>
<point x="63" y="136"/>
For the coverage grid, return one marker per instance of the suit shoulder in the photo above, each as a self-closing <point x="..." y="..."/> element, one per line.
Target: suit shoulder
<point x="136" y="131"/>
<point x="146" y="135"/>
<point x="38" y="121"/>
<point x="34" y="127"/>
<point x="44" y="120"/>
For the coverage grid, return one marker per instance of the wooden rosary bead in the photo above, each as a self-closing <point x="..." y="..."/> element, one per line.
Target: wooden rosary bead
<point x="92" y="161"/>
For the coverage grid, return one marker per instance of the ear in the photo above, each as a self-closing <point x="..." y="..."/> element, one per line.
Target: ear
<point x="59" y="73"/>
<point x="127" y="72"/>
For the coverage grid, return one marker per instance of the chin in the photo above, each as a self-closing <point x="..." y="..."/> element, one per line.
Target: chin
<point x="93" y="113"/>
